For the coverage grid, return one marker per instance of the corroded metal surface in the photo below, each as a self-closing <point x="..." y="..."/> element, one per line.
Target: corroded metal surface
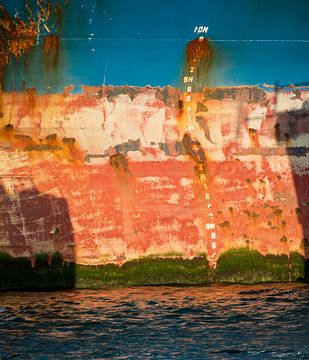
<point x="105" y="177"/>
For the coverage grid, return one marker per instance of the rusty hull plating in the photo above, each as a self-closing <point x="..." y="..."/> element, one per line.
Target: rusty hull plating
<point x="121" y="173"/>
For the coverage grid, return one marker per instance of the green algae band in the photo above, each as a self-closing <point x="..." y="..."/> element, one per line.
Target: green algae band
<point x="249" y="266"/>
<point x="241" y="266"/>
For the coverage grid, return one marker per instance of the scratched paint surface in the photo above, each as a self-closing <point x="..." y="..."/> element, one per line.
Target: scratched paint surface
<point x="120" y="172"/>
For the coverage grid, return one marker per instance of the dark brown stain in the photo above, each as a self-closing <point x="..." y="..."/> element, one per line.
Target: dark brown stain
<point x="204" y="126"/>
<point x="253" y="216"/>
<point x="170" y="96"/>
<point x="287" y="139"/>
<point x="24" y="138"/>
<point x="201" y="107"/>
<point x="31" y="98"/>
<point x="125" y="185"/>
<point x="68" y="141"/>
<point x="298" y="211"/>
<point x="197" y="154"/>
<point x="111" y="92"/>
<point x="225" y="225"/>
<point x="248" y="94"/>
<point x="196" y="50"/>
<point x="51" y="51"/>
<point x="198" y="57"/>
<point x="193" y="149"/>
<point x="119" y="162"/>
<point x="41" y="147"/>
<point x="278" y="212"/>
<point x="51" y="137"/>
<point x="8" y="127"/>
<point x="277" y="133"/>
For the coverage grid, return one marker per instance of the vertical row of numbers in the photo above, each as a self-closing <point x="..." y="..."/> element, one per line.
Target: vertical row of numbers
<point x="188" y="81"/>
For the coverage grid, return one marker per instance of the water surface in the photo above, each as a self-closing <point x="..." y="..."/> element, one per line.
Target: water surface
<point x="215" y="322"/>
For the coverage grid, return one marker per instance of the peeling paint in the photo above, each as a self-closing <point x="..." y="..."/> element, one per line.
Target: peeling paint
<point x="149" y="170"/>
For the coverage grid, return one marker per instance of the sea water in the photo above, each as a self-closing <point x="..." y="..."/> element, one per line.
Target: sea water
<point x="215" y="322"/>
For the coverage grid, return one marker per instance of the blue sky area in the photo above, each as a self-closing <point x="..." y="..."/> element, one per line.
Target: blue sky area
<point x="141" y="42"/>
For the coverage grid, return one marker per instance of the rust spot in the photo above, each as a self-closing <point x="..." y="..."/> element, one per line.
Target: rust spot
<point x="287" y="139"/>
<point x="68" y="141"/>
<point x="119" y="162"/>
<point x="283" y="224"/>
<point x="21" y="33"/>
<point x="278" y="212"/>
<point x="8" y="127"/>
<point x="253" y="216"/>
<point x="201" y="107"/>
<point x="168" y="95"/>
<point x="252" y="133"/>
<point x="230" y="209"/>
<point x="23" y="138"/>
<point x="277" y="132"/>
<point x="196" y="50"/>
<point x="224" y="225"/>
<point x="31" y="98"/>
<point x="193" y="149"/>
<point x="272" y="226"/>
<point x="204" y="126"/>
<point x="68" y="89"/>
<point x="253" y="136"/>
<point x="51" y="137"/>
<point x="42" y="147"/>
<point x="111" y="92"/>
<point x="283" y="239"/>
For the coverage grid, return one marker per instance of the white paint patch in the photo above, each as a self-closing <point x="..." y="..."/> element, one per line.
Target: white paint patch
<point x="186" y="182"/>
<point x="174" y="199"/>
<point x="256" y="117"/>
<point x="279" y="164"/>
<point x="153" y="130"/>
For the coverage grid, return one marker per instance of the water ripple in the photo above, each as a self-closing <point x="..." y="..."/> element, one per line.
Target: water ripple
<point x="216" y="322"/>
